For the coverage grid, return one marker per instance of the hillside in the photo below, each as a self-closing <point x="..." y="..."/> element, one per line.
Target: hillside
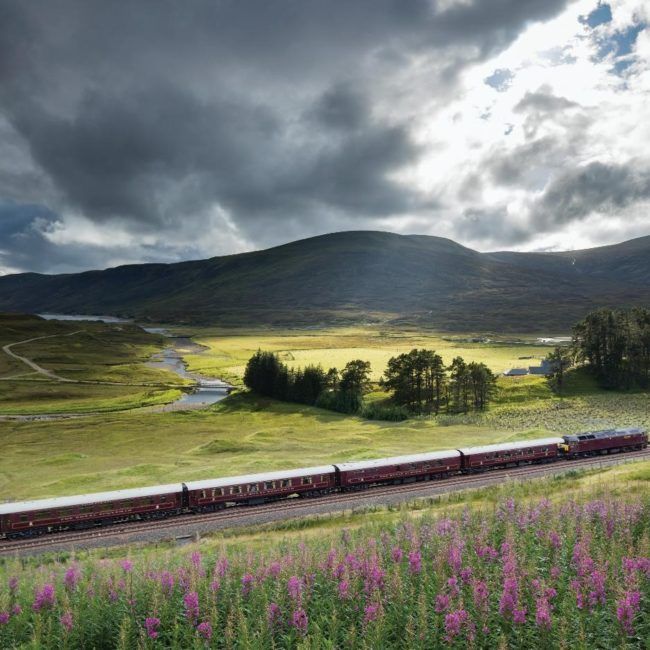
<point x="351" y="276"/>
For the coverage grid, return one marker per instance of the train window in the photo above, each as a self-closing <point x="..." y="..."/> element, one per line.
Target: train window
<point x="217" y="492"/>
<point x="269" y="485"/>
<point x="286" y="483"/>
<point x="203" y="494"/>
<point x="253" y="488"/>
<point x="23" y="517"/>
<point x="235" y="489"/>
<point x="544" y="448"/>
<point x="323" y="478"/>
<point x="306" y="480"/>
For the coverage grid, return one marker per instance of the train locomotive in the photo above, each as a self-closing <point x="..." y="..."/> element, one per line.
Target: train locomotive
<point x="31" y="518"/>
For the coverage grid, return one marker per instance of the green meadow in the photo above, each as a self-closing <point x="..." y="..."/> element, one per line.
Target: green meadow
<point x="228" y="350"/>
<point x="116" y="445"/>
<point x="86" y="352"/>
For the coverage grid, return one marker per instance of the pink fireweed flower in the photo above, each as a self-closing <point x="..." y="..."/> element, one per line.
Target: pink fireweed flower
<point x="626" y="609"/>
<point x="577" y="588"/>
<point x="480" y="594"/>
<point x="454" y="556"/>
<point x="442" y="603"/>
<point x="67" y="621"/>
<point x="452" y="586"/>
<point x="4" y="618"/>
<point x="299" y="620"/>
<point x="371" y="613"/>
<point x="127" y="565"/>
<point x="374" y="580"/>
<point x="274" y="614"/>
<point x="597" y="594"/>
<point x="542" y="613"/>
<point x="247" y="581"/>
<point x="454" y="622"/>
<point x="221" y="568"/>
<point x="44" y="598"/>
<point x="509" y="597"/>
<point x="13" y="584"/>
<point x="519" y="616"/>
<point x="415" y="561"/>
<point x="205" y="630"/>
<point x="195" y="559"/>
<point x="151" y="625"/>
<point x="466" y="574"/>
<point x="72" y="577"/>
<point x="344" y="589"/>
<point x="215" y="585"/>
<point x="167" y="582"/>
<point x="294" y="587"/>
<point x="191" y="602"/>
<point x="397" y="554"/>
<point x="554" y="539"/>
<point x="275" y="569"/>
<point x="16" y="610"/>
<point x="640" y="564"/>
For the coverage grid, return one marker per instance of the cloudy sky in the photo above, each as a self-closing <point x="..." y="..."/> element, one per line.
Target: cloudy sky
<point x="157" y="130"/>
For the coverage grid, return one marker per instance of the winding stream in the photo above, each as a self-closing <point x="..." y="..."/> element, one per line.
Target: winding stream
<point x="210" y="389"/>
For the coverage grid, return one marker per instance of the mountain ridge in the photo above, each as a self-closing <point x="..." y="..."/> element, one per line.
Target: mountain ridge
<point x="353" y="276"/>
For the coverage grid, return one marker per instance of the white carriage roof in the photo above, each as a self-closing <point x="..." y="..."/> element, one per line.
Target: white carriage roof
<point x="505" y="446"/>
<point x="257" y="478"/>
<point x="86" y="499"/>
<point x="397" y="460"/>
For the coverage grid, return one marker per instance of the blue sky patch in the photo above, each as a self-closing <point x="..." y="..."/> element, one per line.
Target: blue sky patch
<point x="620" y="43"/>
<point x="500" y="79"/>
<point x="599" y="16"/>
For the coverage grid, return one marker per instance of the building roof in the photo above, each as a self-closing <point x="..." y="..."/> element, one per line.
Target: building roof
<point x="257" y="478"/>
<point x="398" y="460"/>
<point x="86" y="499"/>
<point x="506" y="446"/>
<point x="605" y="433"/>
<point x="516" y="371"/>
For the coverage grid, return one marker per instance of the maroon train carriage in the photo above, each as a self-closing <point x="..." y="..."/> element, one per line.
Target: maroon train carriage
<point x="398" y="469"/>
<point x="476" y="459"/>
<point x="29" y="518"/>
<point x="604" y="442"/>
<point x="214" y="494"/>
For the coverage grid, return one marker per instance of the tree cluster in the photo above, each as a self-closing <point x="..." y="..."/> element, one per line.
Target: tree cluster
<point x="615" y="345"/>
<point x="422" y="383"/>
<point x="267" y="375"/>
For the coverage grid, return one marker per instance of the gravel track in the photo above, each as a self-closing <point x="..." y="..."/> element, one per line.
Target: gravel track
<point x="186" y="527"/>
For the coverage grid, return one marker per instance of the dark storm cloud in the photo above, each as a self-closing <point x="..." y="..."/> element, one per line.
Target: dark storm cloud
<point x="148" y="113"/>
<point x="596" y="187"/>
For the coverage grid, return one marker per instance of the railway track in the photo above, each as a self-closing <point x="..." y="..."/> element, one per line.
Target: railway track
<point x="301" y="506"/>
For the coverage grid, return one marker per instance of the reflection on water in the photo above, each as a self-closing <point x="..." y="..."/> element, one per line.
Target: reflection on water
<point x="210" y="391"/>
<point x="103" y="319"/>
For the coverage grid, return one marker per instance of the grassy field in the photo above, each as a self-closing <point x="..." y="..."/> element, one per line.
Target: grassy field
<point x="244" y="433"/>
<point x="99" y="352"/>
<point x="229" y="350"/>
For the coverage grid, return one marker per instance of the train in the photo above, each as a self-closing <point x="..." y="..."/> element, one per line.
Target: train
<point x="31" y="518"/>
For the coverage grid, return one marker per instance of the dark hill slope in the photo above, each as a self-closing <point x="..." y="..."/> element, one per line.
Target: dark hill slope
<point x="628" y="262"/>
<point x="351" y="276"/>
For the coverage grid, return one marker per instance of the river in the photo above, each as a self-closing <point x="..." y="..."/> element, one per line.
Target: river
<point x="210" y="390"/>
